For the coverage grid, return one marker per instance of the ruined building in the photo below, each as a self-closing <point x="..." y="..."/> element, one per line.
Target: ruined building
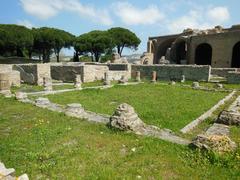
<point x="217" y="47"/>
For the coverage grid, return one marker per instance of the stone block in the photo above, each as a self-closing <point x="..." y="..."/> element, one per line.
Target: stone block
<point x="74" y="110"/>
<point x="229" y="118"/>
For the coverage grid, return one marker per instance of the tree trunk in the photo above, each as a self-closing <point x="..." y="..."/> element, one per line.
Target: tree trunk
<point x="30" y="55"/>
<point x="57" y="55"/>
<point x="19" y="52"/>
<point x="119" y="50"/>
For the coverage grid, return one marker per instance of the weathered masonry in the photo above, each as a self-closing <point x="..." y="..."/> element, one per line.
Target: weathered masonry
<point x="217" y="47"/>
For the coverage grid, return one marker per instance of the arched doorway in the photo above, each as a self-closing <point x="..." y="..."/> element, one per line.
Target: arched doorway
<point x="236" y="56"/>
<point x="203" y="54"/>
<point x="181" y="52"/>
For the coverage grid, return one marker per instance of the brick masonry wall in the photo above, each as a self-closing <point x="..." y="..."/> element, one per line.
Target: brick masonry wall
<point x="173" y="72"/>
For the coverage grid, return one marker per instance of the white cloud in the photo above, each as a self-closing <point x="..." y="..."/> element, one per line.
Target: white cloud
<point x="194" y="20"/>
<point x="25" y="23"/>
<point x="131" y="15"/>
<point x="219" y="14"/>
<point x="45" y="9"/>
<point x="201" y="18"/>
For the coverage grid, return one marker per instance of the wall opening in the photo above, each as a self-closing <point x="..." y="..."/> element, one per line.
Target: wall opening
<point x="162" y="49"/>
<point x="203" y="54"/>
<point x="236" y="56"/>
<point x="181" y="52"/>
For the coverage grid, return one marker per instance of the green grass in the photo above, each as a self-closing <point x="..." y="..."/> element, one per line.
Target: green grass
<point x="49" y="145"/>
<point x="27" y="88"/>
<point x="164" y="106"/>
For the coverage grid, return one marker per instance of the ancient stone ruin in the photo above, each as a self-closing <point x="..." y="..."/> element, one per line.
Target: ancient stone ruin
<point x="47" y="84"/>
<point x="125" y="118"/>
<point x="78" y="82"/>
<point x="107" y="81"/>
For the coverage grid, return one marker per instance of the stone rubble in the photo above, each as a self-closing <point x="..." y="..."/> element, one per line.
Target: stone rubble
<point x="216" y="143"/>
<point x="125" y="118"/>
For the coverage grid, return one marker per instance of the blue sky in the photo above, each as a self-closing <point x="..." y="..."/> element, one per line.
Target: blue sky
<point x="144" y="17"/>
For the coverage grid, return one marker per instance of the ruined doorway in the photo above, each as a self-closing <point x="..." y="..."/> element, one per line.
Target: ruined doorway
<point x="181" y="52"/>
<point x="162" y="49"/>
<point x="236" y="56"/>
<point x="203" y="54"/>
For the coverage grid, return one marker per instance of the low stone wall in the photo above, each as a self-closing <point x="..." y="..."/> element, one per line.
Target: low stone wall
<point x="89" y="72"/>
<point x="33" y="73"/>
<point x="12" y="76"/>
<point x="233" y="77"/>
<point x="5" y="68"/>
<point x="223" y="72"/>
<point x="94" y="72"/>
<point x="174" y="72"/>
<point x="65" y="73"/>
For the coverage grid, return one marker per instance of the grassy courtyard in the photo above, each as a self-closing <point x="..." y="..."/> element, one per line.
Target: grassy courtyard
<point x="165" y="106"/>
<point x="49" y="145"/>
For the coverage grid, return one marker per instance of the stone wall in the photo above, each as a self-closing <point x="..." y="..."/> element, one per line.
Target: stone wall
<point x="223" y="72"/>
<point x="93" y="72"/>
<point x="5" y="68"/>
<point x="173" y="72"/>
<point x="233" y="77"/>
<point x="65" y="73"/>
<point x="13" y="76"/>
<point x="89" y="72"/>
<point x="222" y="47"/>
<point x="33" y="73"/>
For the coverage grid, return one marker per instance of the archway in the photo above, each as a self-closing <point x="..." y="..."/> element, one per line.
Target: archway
<point x="162" y="49"/>
<point x="203" y="54"/>
<point x="236" y="56"/>
<point x="181" y="52"/>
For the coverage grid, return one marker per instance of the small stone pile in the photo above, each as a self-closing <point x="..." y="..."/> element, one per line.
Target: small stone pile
<point x="125" y="118"/>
